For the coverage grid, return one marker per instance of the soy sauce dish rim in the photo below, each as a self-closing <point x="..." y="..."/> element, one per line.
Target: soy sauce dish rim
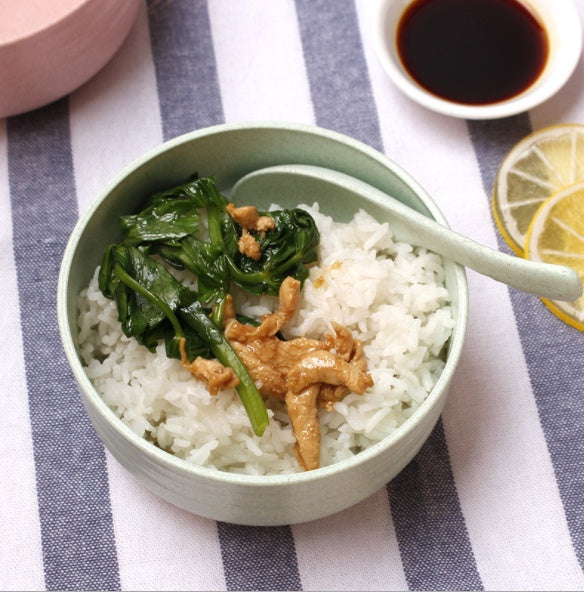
<point x="563" y="26"/>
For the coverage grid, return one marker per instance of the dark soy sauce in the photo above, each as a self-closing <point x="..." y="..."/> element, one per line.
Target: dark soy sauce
<point x="472" y="51"/>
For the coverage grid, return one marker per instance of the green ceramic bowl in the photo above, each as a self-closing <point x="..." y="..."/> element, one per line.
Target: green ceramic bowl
<point x="228" y="152"/>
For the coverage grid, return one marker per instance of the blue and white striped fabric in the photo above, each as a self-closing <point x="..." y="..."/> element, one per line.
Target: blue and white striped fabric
<point x="494" y="500"/>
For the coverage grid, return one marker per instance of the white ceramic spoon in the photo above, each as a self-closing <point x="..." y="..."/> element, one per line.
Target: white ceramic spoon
<point x="304" y="184"/>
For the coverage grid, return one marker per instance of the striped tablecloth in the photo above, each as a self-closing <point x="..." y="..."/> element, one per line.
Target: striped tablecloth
<point x="494" y="500"/>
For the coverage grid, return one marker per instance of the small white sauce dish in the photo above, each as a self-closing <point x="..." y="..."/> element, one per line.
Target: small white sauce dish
<point x="561" y="21"/>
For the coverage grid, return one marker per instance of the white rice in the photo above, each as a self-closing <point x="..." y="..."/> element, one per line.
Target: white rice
<point x="391" y="296"/>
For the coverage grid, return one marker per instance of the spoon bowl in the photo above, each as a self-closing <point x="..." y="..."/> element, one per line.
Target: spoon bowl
<point x="308" y="183"/>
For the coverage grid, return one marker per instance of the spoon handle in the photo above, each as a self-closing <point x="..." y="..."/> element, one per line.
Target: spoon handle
<point x="546" y="280"/>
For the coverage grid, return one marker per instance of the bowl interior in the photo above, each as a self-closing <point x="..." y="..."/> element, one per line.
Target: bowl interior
<point x="229" y="152"/>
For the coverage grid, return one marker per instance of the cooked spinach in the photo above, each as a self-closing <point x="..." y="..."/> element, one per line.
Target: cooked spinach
<point x="286" y="251"/>
<point x="153" y="305"/>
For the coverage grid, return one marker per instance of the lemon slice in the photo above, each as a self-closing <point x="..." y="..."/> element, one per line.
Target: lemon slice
<point x="556" y="235"/>
<point x="537" y="167"/>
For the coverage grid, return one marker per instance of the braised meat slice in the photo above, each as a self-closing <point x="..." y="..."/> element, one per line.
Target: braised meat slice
<point x="213" y="372"/>
<point x="303" y="413"/>
<point x="325" y="367"/>
<point x="288" y="299"/>
<point x="248" y="217"/>
<point x="249" y="246"/>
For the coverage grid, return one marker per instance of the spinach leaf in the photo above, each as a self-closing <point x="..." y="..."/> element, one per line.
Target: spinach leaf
<point x="145" y="292"/>
<point x="206" y="260"/>
<point x="202" y="192"/>
<point x="286" y="251"/>
<point x="152" y="305"/>
<point x="168" y="221"/>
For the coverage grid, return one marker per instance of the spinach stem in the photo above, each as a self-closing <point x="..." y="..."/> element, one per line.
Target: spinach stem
<point x="218" y="311"/>
<point x="266" y="275"/>
<point x="214" y="221"/>
<point x="250" y="397"/>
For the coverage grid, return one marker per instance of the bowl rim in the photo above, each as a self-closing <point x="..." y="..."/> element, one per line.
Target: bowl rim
<point x="155" y="453"/>
<point x="556" y="72"/>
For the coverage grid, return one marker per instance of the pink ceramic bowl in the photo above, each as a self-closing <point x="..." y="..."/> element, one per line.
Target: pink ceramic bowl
<point x="49" y="48"/>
